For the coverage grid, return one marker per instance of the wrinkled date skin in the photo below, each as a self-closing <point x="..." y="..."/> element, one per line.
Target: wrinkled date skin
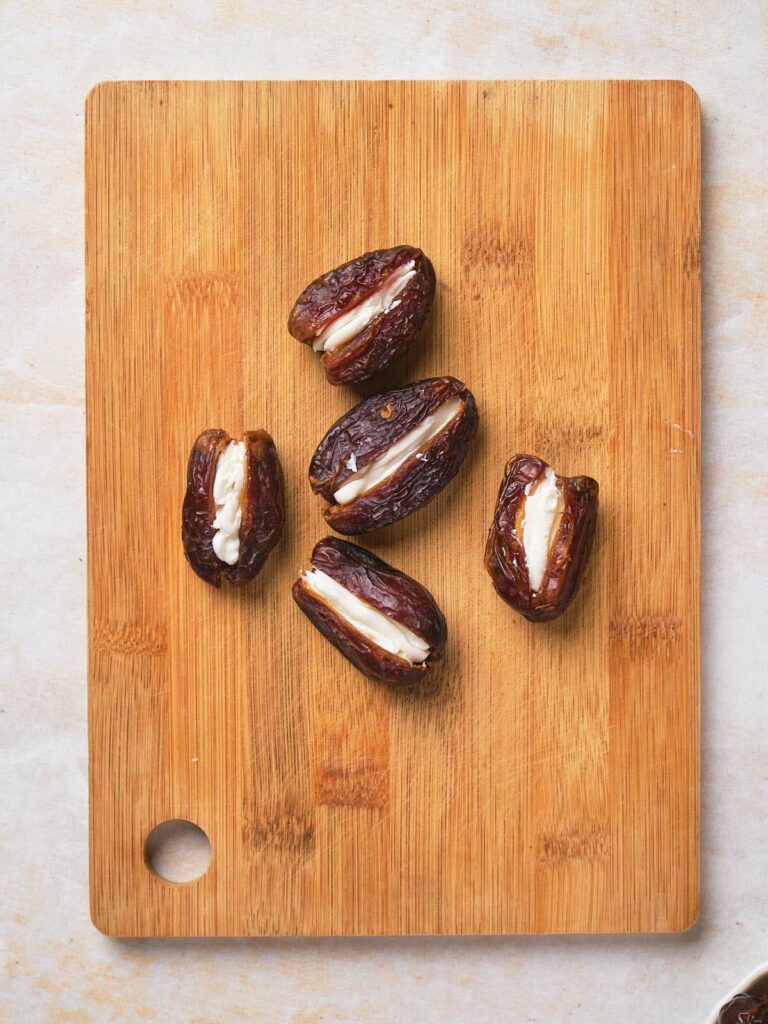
<point x="389" y="591"/>
<point x="505" y="557"/>
<point x="745" y="1009"/>
<point x="368" y="430"/>
<point x="263" y="507"/>
<point x="388" y="335"/>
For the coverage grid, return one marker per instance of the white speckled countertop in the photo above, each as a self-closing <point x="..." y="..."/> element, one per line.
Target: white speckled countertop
<point x="55" y="966"/>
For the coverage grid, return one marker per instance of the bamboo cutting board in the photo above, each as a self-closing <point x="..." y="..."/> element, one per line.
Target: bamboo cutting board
<point x="548" y="780"/>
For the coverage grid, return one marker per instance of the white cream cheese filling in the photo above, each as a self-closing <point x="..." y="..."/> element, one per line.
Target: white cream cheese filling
<point x="394" y="457"/>
<point x="391" y="636"/>
<point x="351" y="323"/>
<point x="227" y="494"/>
<point x="543" y="507"/>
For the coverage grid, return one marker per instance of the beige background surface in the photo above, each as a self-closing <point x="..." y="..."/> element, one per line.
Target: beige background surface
<point x="55" y="966"/>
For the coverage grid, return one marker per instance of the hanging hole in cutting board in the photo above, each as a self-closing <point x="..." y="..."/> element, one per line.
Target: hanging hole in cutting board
<point x="177" y="851"/>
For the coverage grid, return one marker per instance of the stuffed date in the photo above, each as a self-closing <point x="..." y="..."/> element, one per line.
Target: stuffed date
<point x="233" y="509"/>
<point x="393" y="453"/>
<point x="365" y="313"/>
<point x="541" y="537"/>
<point x="385" y="623"/>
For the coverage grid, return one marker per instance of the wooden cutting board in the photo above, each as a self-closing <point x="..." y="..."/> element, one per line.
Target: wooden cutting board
<point x="548" y="781"/>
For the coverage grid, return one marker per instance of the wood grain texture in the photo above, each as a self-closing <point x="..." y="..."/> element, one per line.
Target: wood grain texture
<point x="548" y="781"/>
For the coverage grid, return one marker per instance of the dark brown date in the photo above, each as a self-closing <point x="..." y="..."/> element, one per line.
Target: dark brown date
<point x="353" y="448"/>
<point x="357" y="316"/>
<point x="261" y="505"/>
<point x="563" y="555"/>
<point x="412" y="616"/>
<point x="745" y="1009"/>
